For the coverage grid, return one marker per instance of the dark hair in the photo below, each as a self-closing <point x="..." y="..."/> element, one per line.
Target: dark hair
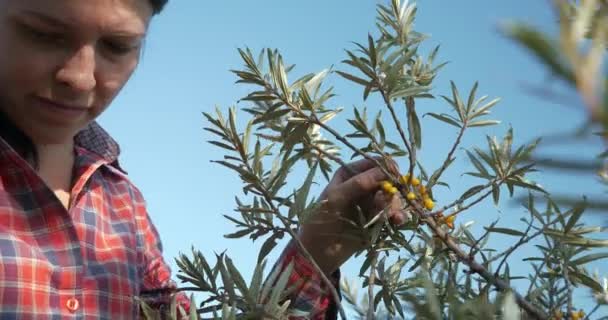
<point x="23" y="144"/>
<point x="158" y="5"/>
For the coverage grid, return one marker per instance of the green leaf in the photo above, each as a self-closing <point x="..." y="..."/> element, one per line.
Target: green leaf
<point x="409" y="91"/>
<point x="222" y="145"/>
<point x="478" y="165"/>
<point x="457" y="102"/>
<point x="417" y="129"/>
<point x="256" y="280"/>
<point x="483" y="123"/>
<point x="312" y="86"/>
<point x="495" y="194"/>
<point x="302" y="194"/>
<point x="589" y="258"/>
<point x="444" y="118"/>
<point x="472" y="97"/>
<point x="238" y="234"/>
<point x="471" y="192"/>
<point x="484" y="109"/>
<point x="193" y="311"/>
<point x="239" y="281"/>
<point x="577" y="212"/>
<point x="280" y="285"/>
<point x="226" y="279"/>
<point x="507" y="231"/>
<point x="268" y="245"/>
<point x="587" y="281"/>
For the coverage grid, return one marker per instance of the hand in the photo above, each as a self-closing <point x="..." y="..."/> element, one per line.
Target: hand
<point x="328" y="235"/>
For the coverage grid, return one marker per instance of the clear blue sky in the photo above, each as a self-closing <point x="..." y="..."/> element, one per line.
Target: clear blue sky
<point x="192" y="45"/>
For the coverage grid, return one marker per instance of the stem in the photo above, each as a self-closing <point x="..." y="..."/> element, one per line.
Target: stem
<point x="597" y="306"/>
<point x="370" y="285"/>
<point x="568" y="286"/>
<point x="336" y="135"/>
<point x="524" y="239"/>
<point x="410" y="106"/>
<point x="313" y="118"/>
<point x="460" y="201"/>
<point x="483" y="272"/>
<point x="390" y="107"/>
<point x="448" y="159"/>
<point x="477" y="241"/>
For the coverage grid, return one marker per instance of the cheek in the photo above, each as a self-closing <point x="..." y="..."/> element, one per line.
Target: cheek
<point x="111" y="79"/>
<point x="23" y="71"/>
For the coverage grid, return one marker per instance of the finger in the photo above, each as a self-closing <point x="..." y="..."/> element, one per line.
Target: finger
<point x="397" y="214"/>
<point x="393" y="206"/>
<point x="352" y="169"/>
<point x="392" y="166"/>
<point x="355" y="189"/>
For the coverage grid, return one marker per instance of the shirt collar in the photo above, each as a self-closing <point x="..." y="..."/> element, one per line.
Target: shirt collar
<point x="95" y="139"/>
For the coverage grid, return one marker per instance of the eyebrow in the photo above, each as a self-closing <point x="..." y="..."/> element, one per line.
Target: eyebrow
<point x="64" y="25"/>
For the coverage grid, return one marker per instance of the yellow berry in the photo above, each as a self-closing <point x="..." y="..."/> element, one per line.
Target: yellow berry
<point x="429" y="204"/>
<point x="449" y="221"/>
<point x="422" y="189"/>
<point x="580" y="314"/>
<point x="404" y="179"/>
<point x="392" y="191"/>
<point x="415" y="182"/>
<point x="411" y="196"/>
<point x="386" y="186"/>
<point x="558" y="315"/>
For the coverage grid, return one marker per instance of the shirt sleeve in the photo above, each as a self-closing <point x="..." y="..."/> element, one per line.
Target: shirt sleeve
<point x="157" y="287"/>
<point x="310" y="293"/>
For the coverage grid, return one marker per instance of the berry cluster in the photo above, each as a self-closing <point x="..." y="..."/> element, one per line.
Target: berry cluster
<point x="576" y="315"/>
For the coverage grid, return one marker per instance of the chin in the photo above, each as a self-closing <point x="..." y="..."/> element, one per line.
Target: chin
<point x="57" y="136"/>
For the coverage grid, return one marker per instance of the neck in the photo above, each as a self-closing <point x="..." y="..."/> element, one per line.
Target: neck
<point x="55" y="164"/>
<point x="54" y="156"/>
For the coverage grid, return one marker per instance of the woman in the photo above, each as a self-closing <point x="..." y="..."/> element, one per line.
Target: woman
<point x="75" y="237"/>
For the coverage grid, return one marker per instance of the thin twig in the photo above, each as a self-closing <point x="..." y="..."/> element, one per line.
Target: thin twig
<point x="390" y="107"/>
<point x="410" y="105"/>
<point x="370" y="284"/>
<point x="448" y="158"/>
<point x="478" y="240"/>
<point x="461" y="200"/>
<point x="568" y="286"/>
<point x="482" y="271"/>
<point x="597" y="306"/>
<point x="522" y="240"/>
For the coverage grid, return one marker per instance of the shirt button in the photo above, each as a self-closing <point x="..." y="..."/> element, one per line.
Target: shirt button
<point x="72" y="304"/>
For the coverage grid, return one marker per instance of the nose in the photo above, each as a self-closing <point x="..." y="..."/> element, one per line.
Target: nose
<point x="78" y="71"/>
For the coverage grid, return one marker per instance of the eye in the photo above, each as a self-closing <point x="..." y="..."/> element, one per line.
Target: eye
<point x="119" y="48"/>
<point x="42" y="36"/>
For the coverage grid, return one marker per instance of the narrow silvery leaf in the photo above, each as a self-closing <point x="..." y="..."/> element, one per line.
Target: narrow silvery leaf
<point x="471" y="98"/>
<point x="510" y="308"/>
<point x="313" y="85"/>
<point x="239" y="281"/>
<point x="445" y="118"/>
<point x="280" y="285"/>
<point x="483" y="123"/>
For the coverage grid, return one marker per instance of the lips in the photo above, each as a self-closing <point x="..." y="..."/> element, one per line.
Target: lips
<point x="59" y="110"/>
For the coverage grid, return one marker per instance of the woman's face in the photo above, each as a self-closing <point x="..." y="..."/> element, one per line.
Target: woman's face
<point x="63" y="61"/>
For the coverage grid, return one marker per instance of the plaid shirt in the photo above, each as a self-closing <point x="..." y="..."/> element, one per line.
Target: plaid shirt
<point x="93" y="260"/>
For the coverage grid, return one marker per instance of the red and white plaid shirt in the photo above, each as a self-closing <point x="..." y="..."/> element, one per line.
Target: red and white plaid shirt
<point x="93" y="260"/>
